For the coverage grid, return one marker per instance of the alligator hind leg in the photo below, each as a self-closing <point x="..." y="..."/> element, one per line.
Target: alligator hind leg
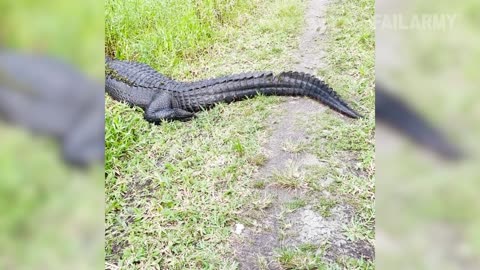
<point x="161" y="108"/>
<point x="168" y="115"/>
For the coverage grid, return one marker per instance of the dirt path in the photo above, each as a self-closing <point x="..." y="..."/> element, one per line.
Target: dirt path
<point x="310" y="53"/>
<point x="275" y="227"/>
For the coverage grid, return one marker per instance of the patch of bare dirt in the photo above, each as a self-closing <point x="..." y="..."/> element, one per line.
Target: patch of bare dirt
<point x="310" y="54"/>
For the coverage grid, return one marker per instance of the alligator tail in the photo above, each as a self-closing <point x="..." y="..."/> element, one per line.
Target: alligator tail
<point x="394" y="112"/>
<point x="206" y="93"/>
<point x="310" y="86"/>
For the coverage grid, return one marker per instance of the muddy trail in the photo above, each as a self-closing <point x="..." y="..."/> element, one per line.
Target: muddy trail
<point x="274" y="227"/>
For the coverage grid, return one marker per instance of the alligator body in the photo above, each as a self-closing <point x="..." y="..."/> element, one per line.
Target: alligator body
<point x="165" y="99"/>
<point x="49" y="97"/>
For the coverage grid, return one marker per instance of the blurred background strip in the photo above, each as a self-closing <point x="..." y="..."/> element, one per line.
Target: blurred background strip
<point x="51" y="121"/>
<point x="427" y="54"/>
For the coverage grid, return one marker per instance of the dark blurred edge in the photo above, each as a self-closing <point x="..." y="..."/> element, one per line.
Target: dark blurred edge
<point x="399" y="115"/>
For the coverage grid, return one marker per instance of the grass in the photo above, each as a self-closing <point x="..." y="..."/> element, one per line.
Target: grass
<point x="292" y="177"/>
<point x="324" y="206"/>
<point x="176" y="36"/>
<point x="294" y="147"/>
<point x="301" y="259"/>
<point x="309" y="257"/>
<point x="169" y="31"/>
<point x="354" y="264"/>
<point x="296" y="204"/>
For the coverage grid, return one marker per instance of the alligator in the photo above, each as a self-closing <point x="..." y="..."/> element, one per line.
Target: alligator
<point x="396" y="113"/>
<point x="46" y="96"/>
<point x="165" y="99"/>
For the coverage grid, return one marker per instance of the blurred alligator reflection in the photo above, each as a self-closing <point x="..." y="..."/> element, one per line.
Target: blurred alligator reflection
<point x="46" y="96"/>
<point x="395" y="113"/>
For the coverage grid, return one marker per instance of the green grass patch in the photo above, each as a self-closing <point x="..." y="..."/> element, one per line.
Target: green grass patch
<point x="169" y="31"/>
<point x="294" y="147"/>
<point x="324" y="206"/>
<point x="303" y="258"/>
<point x="296" y="204"/>
<point x="353" y="263"/>
<point x="260" y="184"/>
<point x="292" y="177"/>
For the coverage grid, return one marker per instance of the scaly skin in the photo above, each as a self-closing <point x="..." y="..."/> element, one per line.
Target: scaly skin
<point x="165" y="99"/>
